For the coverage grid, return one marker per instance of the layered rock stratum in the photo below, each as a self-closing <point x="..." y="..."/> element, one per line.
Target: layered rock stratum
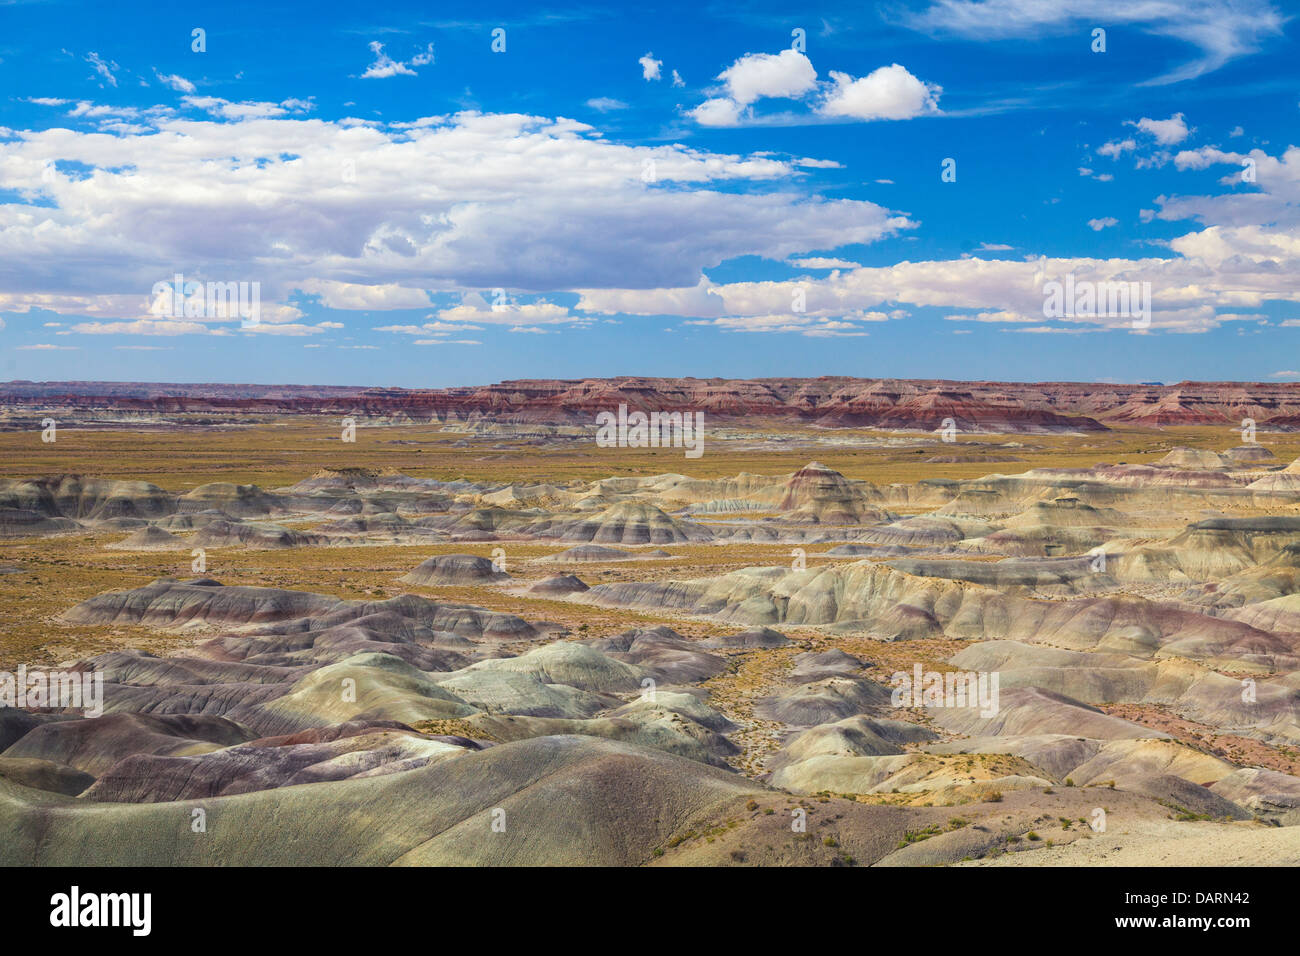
<point x="829" y="401"/>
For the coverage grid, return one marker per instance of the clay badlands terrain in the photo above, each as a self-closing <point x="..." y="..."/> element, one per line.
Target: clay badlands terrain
<point x="471" y="636"/>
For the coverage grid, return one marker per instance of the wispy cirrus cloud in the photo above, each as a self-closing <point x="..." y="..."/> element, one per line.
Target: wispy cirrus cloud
<point x="1220" y="30"/>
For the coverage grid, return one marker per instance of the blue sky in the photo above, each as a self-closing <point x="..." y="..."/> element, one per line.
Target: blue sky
<point x="684" y="190"/>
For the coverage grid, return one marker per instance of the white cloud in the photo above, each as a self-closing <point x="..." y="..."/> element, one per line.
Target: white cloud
<point x="1051" y="330"/>
<point x="104" y="68"/>
<point x="890" y="92"/>
<point x="606" y="104"/>
<point x="1097" y="225"/>
<point x="1167" y="132"/>
<point x="143" y="327"/>
<point x="1222" y="30"/>
<point x="385" y="66"/>
<point x="227" y="109"/>
<point x="763" y="76"/>
<point x="1117" y="148"/>
<point x="475" y="309"/>
<point x="677" y="79"/>
<point x="1219" y="275"/>
<point x="1285" y="374"/>
<point x="785" y="322"/>
<point x="175" y="81"/>
<point x="650" y="67"/>
<point x="369" y="217"/>
<point x="718" y="111"/>
<point x="822" y="262"/>
<point x="356" y="297"/>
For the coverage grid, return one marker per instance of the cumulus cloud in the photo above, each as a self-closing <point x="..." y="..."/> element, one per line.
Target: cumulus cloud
<point x="1117" y="148"/>
<point x="227" y="109"/>
<point x="890" y="92"/>
<point x="355" y="296"/>
<point x="372" y="216"/>
<point x="1273" y="197"/>
<point x="650" y="67"/>
<point x="385" y="66"/>
<point x="474" y="308"/>
<point x="763" y="75"/>
<point x="1097" y="225"/>
<point x="1215" y="276"/>
<point x="718" y="111"/>
<point x="1167" y="132"/>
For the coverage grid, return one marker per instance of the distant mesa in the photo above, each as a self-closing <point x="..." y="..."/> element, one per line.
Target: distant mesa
<point x="24" y="523"/>
<point x="243" y="501"/>
<point x="822" y="495"/>
<point x="631" y="523"/>
<point x="254" y="535"/>
<point x="756" y="638"/>
<point x="455" y="569"/>
<point x="168" y="602"/>
<point x="586" y="554"/>
<point x="1250" y="454"/>
<point x="150" y="538"/>
<point x="559" y="584"/>
<point x="851" y="551"/>
<point x="827" y="402"/>
<point x="66" y="500"/>
<point x="810" y="666"/>
<point x="192" y="521"/>
<point x="1194" y="458"/>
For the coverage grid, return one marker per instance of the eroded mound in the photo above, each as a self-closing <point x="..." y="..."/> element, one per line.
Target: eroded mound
<point x="455" y="569"/>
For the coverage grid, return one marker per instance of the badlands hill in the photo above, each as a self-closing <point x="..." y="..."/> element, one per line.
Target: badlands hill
<point x="665" y="669"/>
<point x="827" y="401"/>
